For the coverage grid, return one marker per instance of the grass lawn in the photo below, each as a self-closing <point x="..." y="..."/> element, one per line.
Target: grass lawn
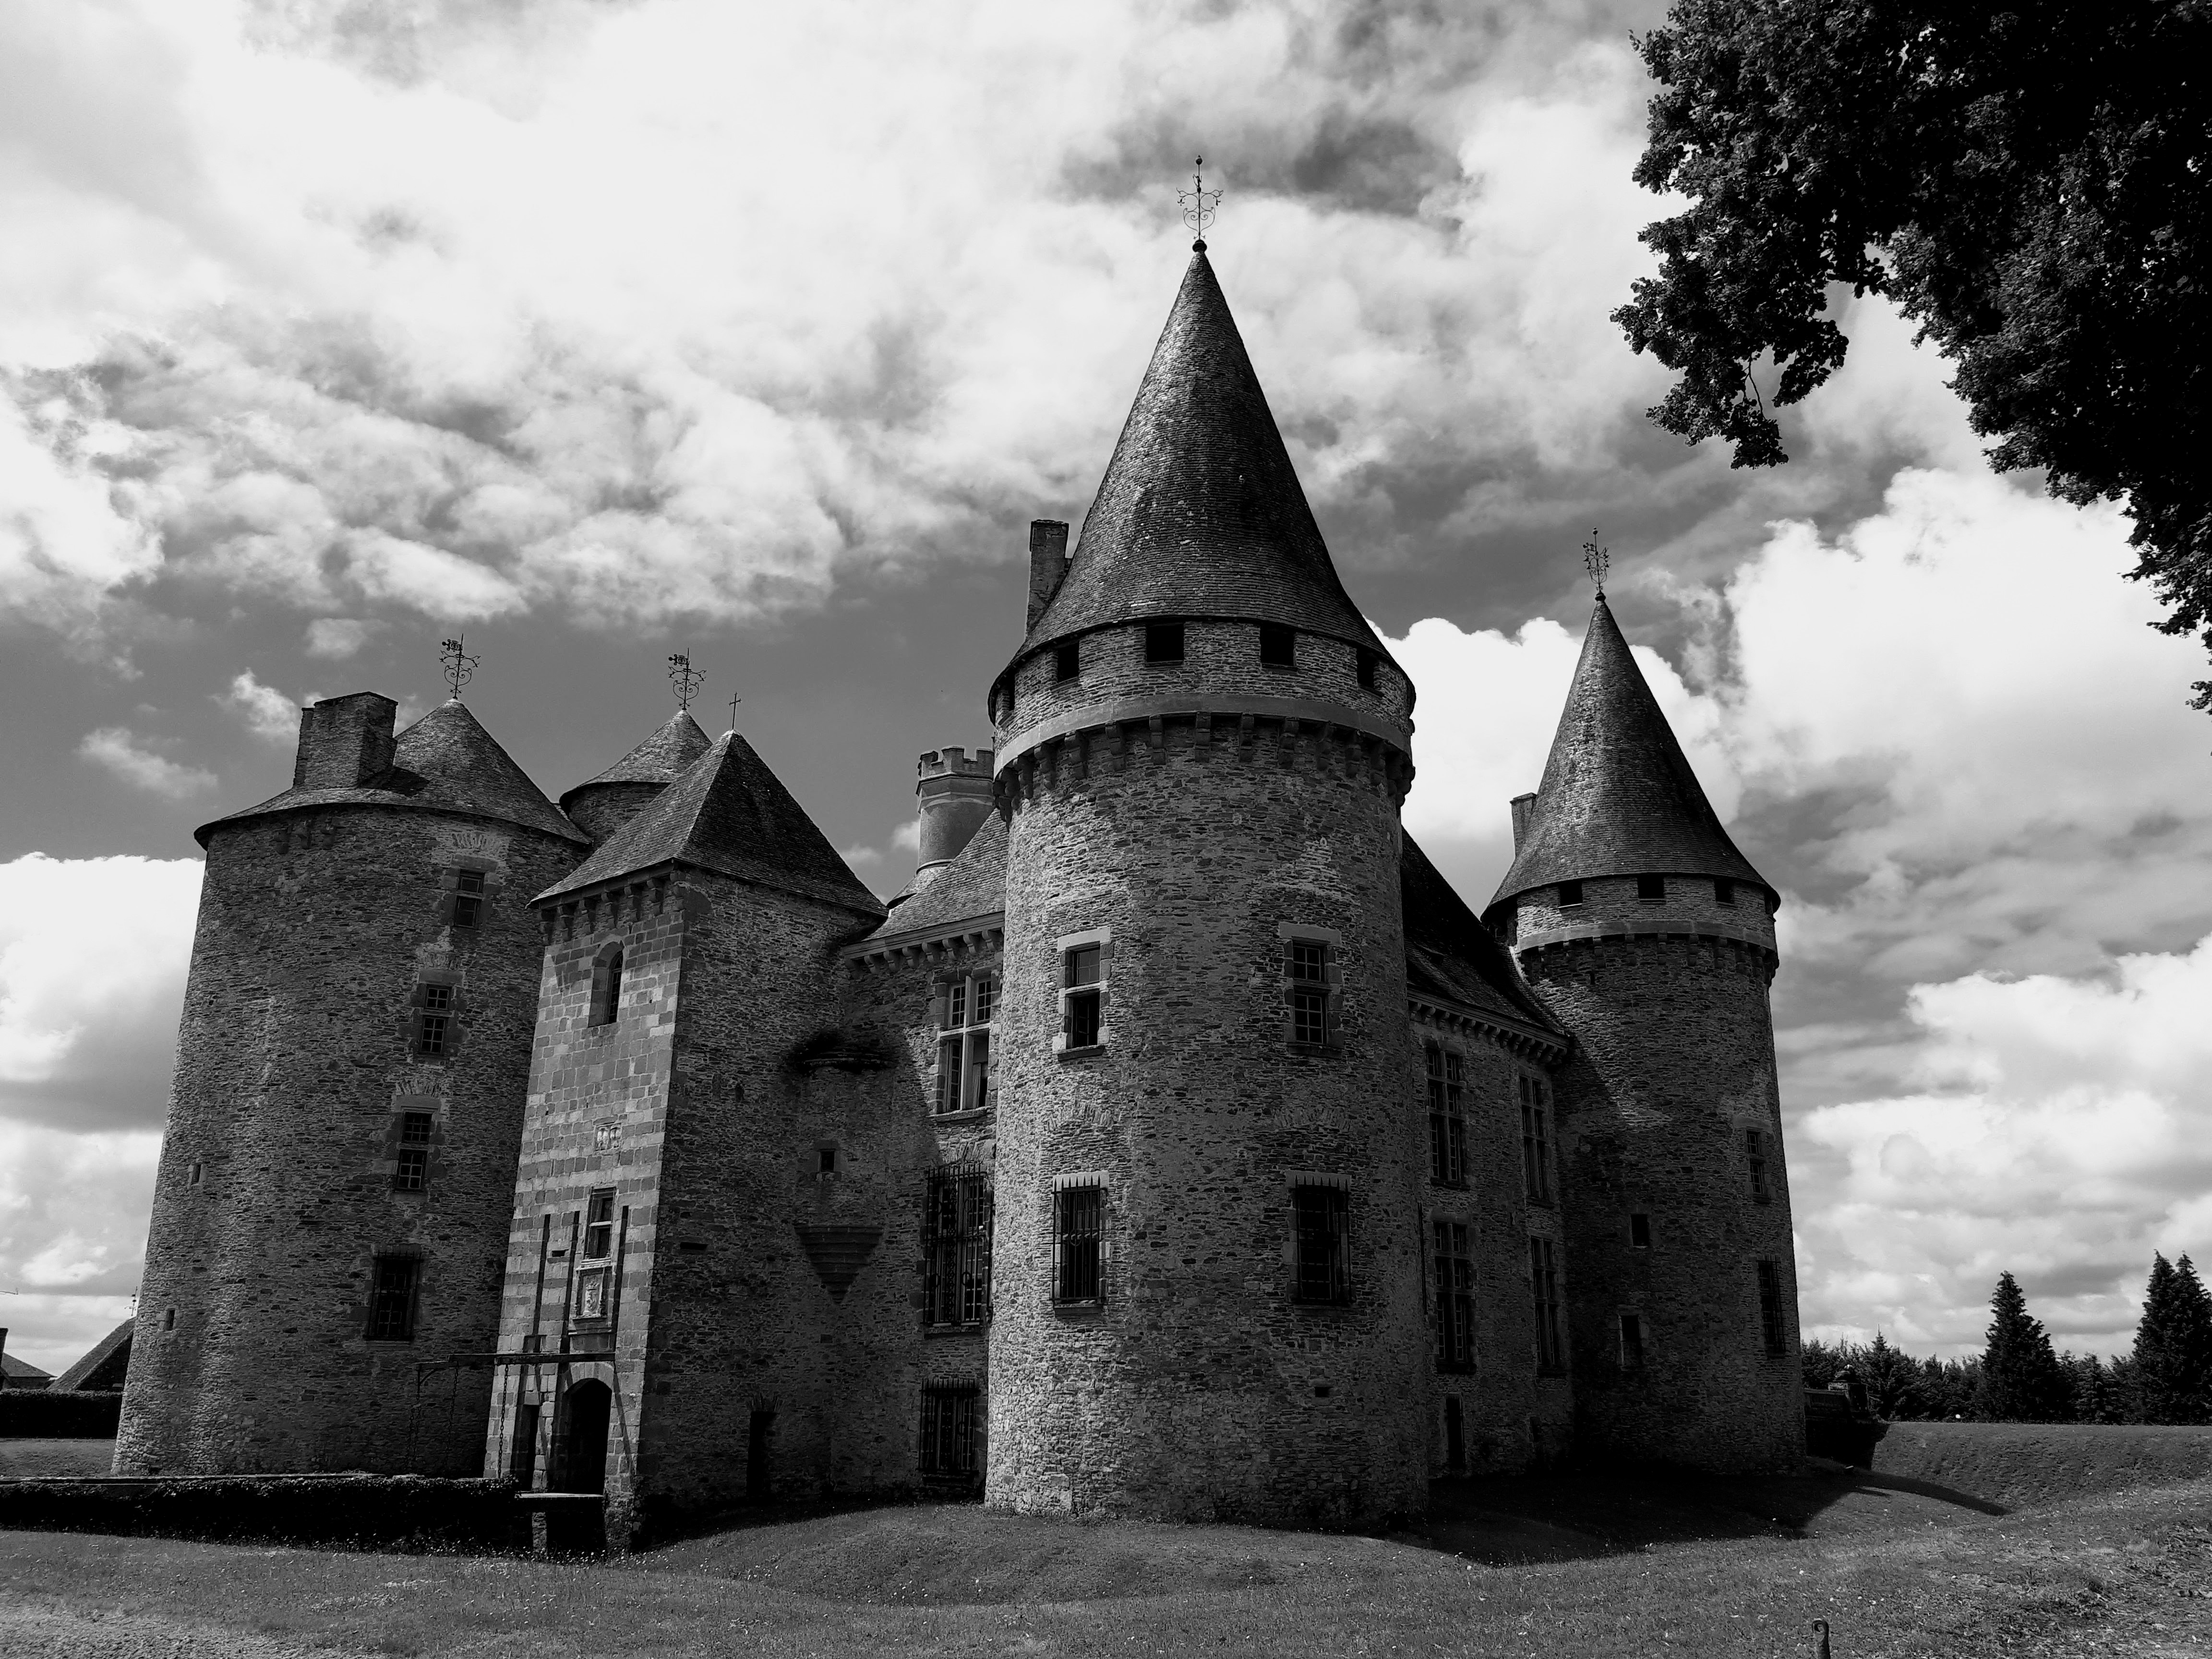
<point x="19" y="1457"/>
<point x="1594" y="1567"/>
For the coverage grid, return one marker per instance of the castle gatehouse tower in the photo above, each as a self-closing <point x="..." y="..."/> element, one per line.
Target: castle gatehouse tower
<point x="1208" y="1290"/>
<point x="1652" y="938"/>
<point x="330" y="1214"/>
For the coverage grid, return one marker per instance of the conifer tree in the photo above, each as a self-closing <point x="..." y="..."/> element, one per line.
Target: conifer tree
<point x="2021" y="1382"/>
<point x="2173" y="1347"/>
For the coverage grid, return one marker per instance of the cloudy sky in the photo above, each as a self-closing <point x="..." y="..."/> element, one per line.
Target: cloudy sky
<point x="601" y="328"/>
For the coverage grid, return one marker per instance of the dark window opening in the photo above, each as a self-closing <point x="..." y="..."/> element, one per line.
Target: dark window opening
<point x="1067" y="660"/>
<point x="1446" y="1082"/>
<point x="1078" y="1213"/>
<point x="600" y="1225"/>
<point x="1308" y="977"/>
<point x="948" y="1434"/>
<point x="1754" y="1152"/>
<point x="1455" y="1266"/>
<point x="956" y="1232"/>
<point x="1455" y="1437"/>
<point x="522" y="1460"/>
<point x="1321" y="1225"/>
<point x="1770" y="1308"/>
<point x="1639" y="1231"/>
<point x="1632" y="1342"/>
<point x="433" y="1026"/>
<point x="586" y="1412"/>
<point x="757" y="1431"/>
<point x="1723" y="890"/>
<point x="468" y="900"/>
<point x="391" y="1298"/>
<point x="411" y="1173"/>
<point x="1163" y="642"/>
<point x="606" y="987"/>
<point x="1535" y="1141"/>
<point x="1083" y="998"/>
<point x="1544" y="1287"/>
<point x="1368" y="662"/>
<point x="1278" y="646"/>
<point x="825" y="1160"/>
<point x="193" y="1178"/>
<point x="1571" y="895"/>
<point x="168" y="1319"/>
<point x="1651" y="890"/>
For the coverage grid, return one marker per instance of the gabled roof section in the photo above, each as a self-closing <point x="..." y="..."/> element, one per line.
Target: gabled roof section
<point x="101" y="1365"/>
<point x="1449" y="953"/>
<point x="661" y="758"/>
<point x="730" y="814"/>
<point x="1201" y="513"/>
<point x="444" y="763"/>
<point x="973" y="885"/>
<point x="22" y="1374"/>
<point x="1619" y="797"/>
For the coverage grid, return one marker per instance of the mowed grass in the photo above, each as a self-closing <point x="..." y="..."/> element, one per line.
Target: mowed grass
<point x="1896" y="1569"/>
<point x="23" y="1457"/>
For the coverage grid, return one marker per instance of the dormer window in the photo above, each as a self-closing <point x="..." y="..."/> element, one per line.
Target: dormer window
<point x="1278" y="646"/>
<point x="1163" y="642"/>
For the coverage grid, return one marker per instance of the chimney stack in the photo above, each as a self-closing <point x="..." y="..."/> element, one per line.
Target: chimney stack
<point x="954" y="792"/>
<point x="1047" y="564"/>
<point x="1523" y="806"/>
<point x="344" y="741"/>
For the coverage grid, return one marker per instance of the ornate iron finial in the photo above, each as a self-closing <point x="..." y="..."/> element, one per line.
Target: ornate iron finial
<point x="686" y="679"/>
<point x="459" y="666"/>
<point x="734" y="700"/>
<point x="1597" y="561"/>
<point x="1199" y="205"/>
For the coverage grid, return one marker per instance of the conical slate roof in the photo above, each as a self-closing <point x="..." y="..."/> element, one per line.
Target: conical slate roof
<point x="1619" y="797"/>
<point x="446" y="762"/>
<point x="1201" y="513"/>
<point x="728" y="813"/>
<point x="661" y="758"/>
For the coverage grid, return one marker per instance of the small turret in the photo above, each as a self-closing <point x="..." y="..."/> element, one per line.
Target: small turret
<point x="954" y="790"/>
<point x="618" y="794"/>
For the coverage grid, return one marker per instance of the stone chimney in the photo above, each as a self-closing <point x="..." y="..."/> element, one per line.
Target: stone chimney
<point x="1048" y="565"/>
<point x="344" y="741"/>
<point x="1523" y="806"/>
<point x="955" y="795"/>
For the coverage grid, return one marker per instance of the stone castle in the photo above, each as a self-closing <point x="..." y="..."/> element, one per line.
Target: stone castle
<point x="1178" y="1144"/>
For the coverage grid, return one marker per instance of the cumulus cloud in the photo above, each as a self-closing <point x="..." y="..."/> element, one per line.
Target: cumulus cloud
<point x="336" y="638"/>
<point x="73" y="1211"/>
<point x="268" y="712"/>
<point x="118" y="750"/>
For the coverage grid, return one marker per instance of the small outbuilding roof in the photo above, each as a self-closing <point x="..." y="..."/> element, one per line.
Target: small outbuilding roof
<point x="101" y="1366"/>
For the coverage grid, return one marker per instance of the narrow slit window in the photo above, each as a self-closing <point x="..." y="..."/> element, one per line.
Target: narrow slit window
<point x="1755" y="1161"/>
<point x="1068" y="661"/>
<point x="1455" y="1281"/>
<point x="1078" y="1224"/>
<point x="1163" y="642"/>
<point x="1535" y="1140"/>
<point x="606" y="987"/>
<point x="963" y="1043"/>
<point x="1651" y="890"/>
<point x="956" y="1227"/>
<point x="1632" y="1343"/>
<point x="1544" y="1288"/>
<point x="391" y="1298"/>
<point x="1278" y="646"/>
<point x="468" y="897"/>
<point x="410" y="1172"/>
<point x="1639" y="1232"/>
<point x="1083" y="997"/>
<point x="1771" y="1324"/>
<point x="1321" y="1225"/>
<point x="1368" y="662"/>
<point x="1447" y="1084"/>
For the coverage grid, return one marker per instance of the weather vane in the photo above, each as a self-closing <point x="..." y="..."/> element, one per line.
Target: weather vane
<point x="1597" y="561"/>
<point x="1199" y="205"/>
<point x="459" y="666"/>
<point x="686" y="679"/>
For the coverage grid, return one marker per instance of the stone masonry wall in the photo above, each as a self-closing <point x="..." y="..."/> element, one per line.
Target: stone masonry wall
<point x="316" y="929"/>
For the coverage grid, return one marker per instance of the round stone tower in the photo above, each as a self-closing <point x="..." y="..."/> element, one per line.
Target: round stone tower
<point x="1207" y="1290"/>
<point x="1652" y="938"/>
<point x="330" y="1212"/>
<point x="618" y="794"/>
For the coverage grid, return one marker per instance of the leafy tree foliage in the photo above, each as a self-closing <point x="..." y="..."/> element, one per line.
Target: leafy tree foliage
<point x="2030" y="181"/>
<point x="2022" y="1382"/>
<point x="2173" y="1347"/>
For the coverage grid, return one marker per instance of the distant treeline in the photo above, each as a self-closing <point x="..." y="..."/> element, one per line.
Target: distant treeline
<point x="2168" y="1378"/>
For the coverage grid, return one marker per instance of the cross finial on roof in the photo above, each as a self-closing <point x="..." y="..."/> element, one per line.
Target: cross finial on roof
<point x="1199" y="205"/>
<point x="686" y="679"/>
<point x="459" y="666"/>
<point x="734" y="700"/>
<point x="1597" y="561"/>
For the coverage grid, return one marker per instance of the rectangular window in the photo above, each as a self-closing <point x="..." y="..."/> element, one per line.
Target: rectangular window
<point x="948" y="1434"/>
<point x="468" y="897"/>
<point x="1321" y="1225"/>
<point x="1571" y="895"/>
<point x="1639" y="1231"/>
<point x="1535" y="1141"/>
<point x="956" y="1231"/>
<point x="434" y="1025"/>
<point x="1754" y="1154"/>
<point x="600" y="1225"/>
<point x="1771" y="1324"/>
<point x="1067" y="660"/>
<point x="411" y="1172"/>
<point x="1723" y="890"/>
<point x="1651" y="890"/>
<point x="1163" y="642"/>
<point x="1447" y="1118"/>
<point x="1278" y="646"/>
<point x="1082" y="998"/>
<point x="1544" y="1287"/>
<point x="1455" y="1435"/>
<point x="1309" y="983"/>
<point x="1077" y="1218"/>
<point x="391" y="1298"/>
<point x="1455" y="1266"/>
<point x="1368" y="662"/>
<point x="1632" y="1343"/>
<point x="963" y="1044"/>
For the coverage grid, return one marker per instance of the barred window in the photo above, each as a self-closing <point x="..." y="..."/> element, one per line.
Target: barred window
<point x="1078" y="1223"/>
<point x="963" y="1043"/>
<point x="1446" y="1079"/>
<point x="411" y="1172"/>
<point x="1544" y="1287"/>
<point x="1632" y="1343"/>
<point x="433" y="1023"/>
<point x="1754" y="1153"/>
<point x="468" y="897"/>
<point x="948" y="1433"/>
<point x="1083" y="996"/>
<point x="391" y="1298"/>
<point x="1321" y="1228"/>
<point x="1535" y="1139"/>
<point x="1454" y="1265"/>
<point x="955" y="1228"/>
<point x="1770" y="1322"/>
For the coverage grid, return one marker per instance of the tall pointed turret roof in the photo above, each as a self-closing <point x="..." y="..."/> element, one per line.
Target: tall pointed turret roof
<point x="730" y="814"/>
<point x="661" y="758"/>
<point x="1201" y="513"/>
<point x="1619" y="797"/>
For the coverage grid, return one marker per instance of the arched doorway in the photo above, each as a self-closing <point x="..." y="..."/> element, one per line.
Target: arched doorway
<point x="583" y="1461"/>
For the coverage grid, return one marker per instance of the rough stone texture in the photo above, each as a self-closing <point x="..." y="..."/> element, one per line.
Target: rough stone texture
<point x="1674" y="1061"/>
<point x="618" y="794"/>
<point x="294" y="1065"/>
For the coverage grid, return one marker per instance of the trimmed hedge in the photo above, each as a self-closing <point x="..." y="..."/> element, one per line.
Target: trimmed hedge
<point x="410" y="1509"/>
<point x="42" y="1414"/>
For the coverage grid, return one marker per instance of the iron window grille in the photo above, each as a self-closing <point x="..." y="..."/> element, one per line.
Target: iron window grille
<point x="411" y="1173"/>
<point x="955" y="1228"/>
<point x="967" y="1009"/>
<point x="1454" y="1264"/>
<point x="1163" y="642"/>
<point x="1754" y="1152"/>
<point x="433" y="1022"/>
<point x="1770" y="1308"/>
<point x="1078" y="1229"/>
<point x="1278" y="646"/>
<point x="1447" y="1080"/>
<point x="1544" y="1288"/>
<point x="468" y="897"/>
<point x="948" y="1433"/>
<point x="391" y="1298"/>
<point x="1322" y="1236"/>
<point x="1632" y="1343"/>
<point x="1083" y="997"/>
<point x="1535" y="1140"/>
